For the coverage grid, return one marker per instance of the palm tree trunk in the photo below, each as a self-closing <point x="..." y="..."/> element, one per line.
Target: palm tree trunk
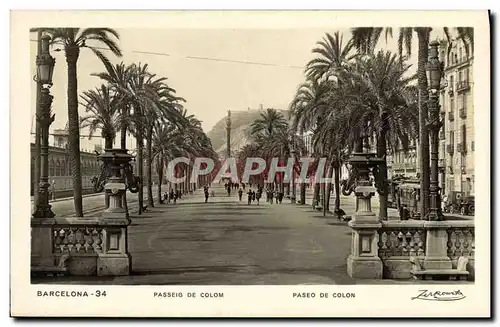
<point x="149" y="164"/>
<point x="123" y="145"/>
<point x="123" y="137"/>
<point x="337" y="186"/>
<point x="315" y="201"/>
<point x="423" y="53"/>
<point x="159" y="169"/>
<point x="303" y="193"/>
<point x="108" y="144"/>
<point x="381" y="153"/>
<point x="358" y="144"/>
<point x="74" y="129"/>
<point x="140" y="164"/>
<point x="329" y="188"/>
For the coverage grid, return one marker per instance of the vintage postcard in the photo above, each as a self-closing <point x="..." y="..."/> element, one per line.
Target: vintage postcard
<point x="250" y="164"/>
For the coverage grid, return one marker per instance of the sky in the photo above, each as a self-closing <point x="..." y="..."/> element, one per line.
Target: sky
<point x="210" y="87"/>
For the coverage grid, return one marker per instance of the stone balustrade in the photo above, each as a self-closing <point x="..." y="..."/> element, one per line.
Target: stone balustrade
<point x="81" y="246"/>
<point x="434" y="243"/>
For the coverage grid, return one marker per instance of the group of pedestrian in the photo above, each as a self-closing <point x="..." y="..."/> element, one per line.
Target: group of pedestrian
<point x="172" y="196"/>
<point x="253" y="195"/>
<point x="233" y="186"/>
<point x="272" y="194"/>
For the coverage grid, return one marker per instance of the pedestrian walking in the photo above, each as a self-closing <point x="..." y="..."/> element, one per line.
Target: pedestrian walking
<point x="249" y="193"/>
<point x="240" y="194"/>
<point x="206" y="194"/>
<point x="171" y="197"/>
<point x="280" y="196"/>
<point x="52" y="190"/>
<point x="258" y="195"/>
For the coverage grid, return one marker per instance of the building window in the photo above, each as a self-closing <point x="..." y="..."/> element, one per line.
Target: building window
<point x="60" y="142"/>
<point x="451" y="185"/>
<point x="452" y="104"/>
<point x="451" y="81"/>
<point x="52" y="168"/>
<point x="63" y="167"/>
<point x="58" y="168"/>
<point x="452" y="138"/>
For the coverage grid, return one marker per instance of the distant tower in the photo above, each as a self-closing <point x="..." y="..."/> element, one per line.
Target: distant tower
<point x="228" y="133"/>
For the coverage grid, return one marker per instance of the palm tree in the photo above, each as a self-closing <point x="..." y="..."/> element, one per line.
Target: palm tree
<point x="104" y="114"/>
<point x="385" y="104"/>
<point x="332" y="55"/>
<point x="308" y="105"/>
<point x="312" y="103"/>
<point x="73" y="40"/>
<point x="365" y="40"/>
<point x="118" y="78"/>
<point x="145" y="94"/>
<point x="405" y="37"/>
<point x="268" y="124"/>
<point x="167" y="109"/>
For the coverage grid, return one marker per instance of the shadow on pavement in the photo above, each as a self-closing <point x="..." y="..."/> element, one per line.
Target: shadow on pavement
<point x="193" y="269"/>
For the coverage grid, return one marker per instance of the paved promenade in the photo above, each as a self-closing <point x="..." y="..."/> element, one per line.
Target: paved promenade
<point x="229" y="242"/>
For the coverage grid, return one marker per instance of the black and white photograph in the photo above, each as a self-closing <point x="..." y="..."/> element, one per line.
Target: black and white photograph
<point x="325" y="158"/>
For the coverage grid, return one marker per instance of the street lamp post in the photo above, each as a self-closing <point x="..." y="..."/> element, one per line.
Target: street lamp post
<point x="45" y="67"/>
<point x="434" y="74"/>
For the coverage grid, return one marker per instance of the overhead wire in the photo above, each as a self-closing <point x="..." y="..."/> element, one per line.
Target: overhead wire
<point x="245" y="62"/>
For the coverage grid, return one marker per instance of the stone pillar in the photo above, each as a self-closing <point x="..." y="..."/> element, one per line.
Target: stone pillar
<point x="41" y="243"/>
<point x="364" y="262"/>
<point x="114" y="260"/>
<point x="436" y="247"/>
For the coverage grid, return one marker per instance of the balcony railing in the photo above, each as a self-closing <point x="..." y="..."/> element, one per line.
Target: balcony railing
<point x="463" y="113"/>
<point x="449" y="148"/>
<point x="463" y="86"/>
<point x="451" y="116"/>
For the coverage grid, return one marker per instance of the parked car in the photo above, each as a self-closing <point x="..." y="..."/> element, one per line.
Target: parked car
<point x="458" y="202"/>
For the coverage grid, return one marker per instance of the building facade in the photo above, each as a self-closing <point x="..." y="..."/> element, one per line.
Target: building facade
<point x="404" y="163"/>
<point x="307" y="139"/>
<point x="456" y="155"/>
<point x="59" y="169"/>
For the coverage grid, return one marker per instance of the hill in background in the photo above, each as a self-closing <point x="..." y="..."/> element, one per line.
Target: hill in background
<point x="240" y="130"/>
